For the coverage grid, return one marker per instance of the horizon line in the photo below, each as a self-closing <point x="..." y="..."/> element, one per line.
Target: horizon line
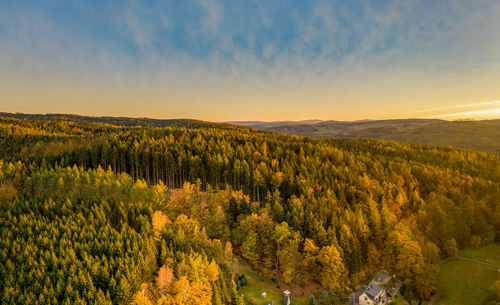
<point x="245" y="121"/>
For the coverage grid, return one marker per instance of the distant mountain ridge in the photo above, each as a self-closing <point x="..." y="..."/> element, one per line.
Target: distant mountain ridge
<point x="263" y="124"/>
<point x="478" y="135"/>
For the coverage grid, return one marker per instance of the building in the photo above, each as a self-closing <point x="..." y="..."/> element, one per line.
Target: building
<point x="392" y="292"/>
<point x="373" y="294"/>
<point x="382" y="278"/>
<point x="286" y="297"/>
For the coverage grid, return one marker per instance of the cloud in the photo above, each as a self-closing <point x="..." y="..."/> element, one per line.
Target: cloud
<point x="324" y="52"/>
<point x="213" y="16"/>
<point x="488" y="113"/>
<point x="141" y="32"/>
<point x="490" y="103"/>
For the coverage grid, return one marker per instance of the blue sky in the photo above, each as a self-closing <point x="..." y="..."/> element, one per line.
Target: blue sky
<point x="225" y="60"/>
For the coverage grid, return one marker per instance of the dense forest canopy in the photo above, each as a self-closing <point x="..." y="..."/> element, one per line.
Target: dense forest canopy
<point x="97" y="213"/>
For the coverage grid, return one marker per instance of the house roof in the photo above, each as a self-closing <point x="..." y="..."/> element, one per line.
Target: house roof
<point x="373" y="290"/>
<point x="383" y="274"/>
<point x="392" y="291"/>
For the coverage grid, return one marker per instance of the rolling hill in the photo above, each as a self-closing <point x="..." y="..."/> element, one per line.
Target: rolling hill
<point x="121" y="121"/>
<point x="476" y="135"/>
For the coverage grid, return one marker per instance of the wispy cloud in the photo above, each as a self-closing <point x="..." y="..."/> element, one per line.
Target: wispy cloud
<point x="478" y="114"/>
<point x="326" y="54"/>
<point x="490" y="103"/>
<point x="213" y="16"/>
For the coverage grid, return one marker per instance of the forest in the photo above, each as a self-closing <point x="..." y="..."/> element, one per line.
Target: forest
<point x="113" y="212"/>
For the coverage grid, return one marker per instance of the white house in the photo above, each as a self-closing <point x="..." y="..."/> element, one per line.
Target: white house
<point x="373" y="294"/>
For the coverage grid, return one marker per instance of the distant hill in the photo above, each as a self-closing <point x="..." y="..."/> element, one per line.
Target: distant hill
<point x="477" y="135"/>
<point x="263" y="125"/>
<point x="122" y="121"/>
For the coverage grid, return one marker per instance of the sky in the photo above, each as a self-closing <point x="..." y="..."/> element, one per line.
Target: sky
<point x="252" y="60"/>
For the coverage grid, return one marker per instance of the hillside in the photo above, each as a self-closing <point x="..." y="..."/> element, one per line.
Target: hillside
<point x="120" y="121"/>
<point x="93" y="213"/>
<point x="477" y="135"/>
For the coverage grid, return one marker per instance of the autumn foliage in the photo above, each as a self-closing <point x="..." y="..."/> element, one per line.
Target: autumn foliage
<point x="93" y="213"/>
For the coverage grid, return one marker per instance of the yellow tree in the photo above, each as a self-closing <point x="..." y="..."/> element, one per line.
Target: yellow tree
<point x="165" y="278"/>
<point x="249" y="248"/>
<point x="200" y="294"/>
<point x="140" y="298"/>
<point x="332" y="268"/>
<point x="408" y="261"/>
<point x="159" y="221"/>
<point x="212" y="272"/>
<point x="182" y="289"/>
<point x="287" y="256"/>
<point x="310" y="261"/>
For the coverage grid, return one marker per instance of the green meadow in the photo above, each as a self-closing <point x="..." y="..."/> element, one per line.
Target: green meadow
<point x="257" y="283"/>
<point x="465" y="282"/>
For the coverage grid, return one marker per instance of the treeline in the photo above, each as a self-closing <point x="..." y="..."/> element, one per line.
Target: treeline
<point x="308" y="211"/>
<point x="122" y="121"/>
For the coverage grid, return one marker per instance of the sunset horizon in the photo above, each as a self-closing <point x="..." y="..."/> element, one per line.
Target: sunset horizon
<point x="250" y="152"/>
<point x="217" y="61"/>
<point x="485" y="115"/>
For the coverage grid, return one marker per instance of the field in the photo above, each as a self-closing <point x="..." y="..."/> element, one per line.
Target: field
<point x="465" y="282"/>
<point x="488" y="254"/>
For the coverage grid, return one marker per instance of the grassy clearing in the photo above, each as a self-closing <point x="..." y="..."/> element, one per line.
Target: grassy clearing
<point x="466" y="283"/>
<point x="488" y="254"/>
<point x="257" y="283"/>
